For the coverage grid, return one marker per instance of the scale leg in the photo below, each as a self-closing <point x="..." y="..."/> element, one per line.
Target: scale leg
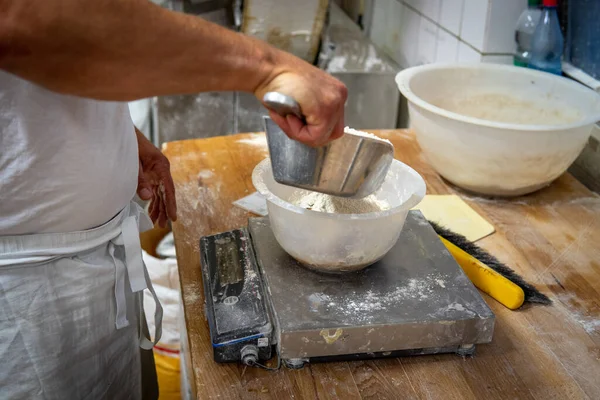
<point x="295" y="363"/>
<point x="466" y="350"/>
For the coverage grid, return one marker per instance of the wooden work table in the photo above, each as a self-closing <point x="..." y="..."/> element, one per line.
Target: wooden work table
<point x="551" y="238"/>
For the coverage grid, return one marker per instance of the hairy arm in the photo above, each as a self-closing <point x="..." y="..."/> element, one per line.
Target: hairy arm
<point x="126" y="49"/>
<point x="130" y="49"/>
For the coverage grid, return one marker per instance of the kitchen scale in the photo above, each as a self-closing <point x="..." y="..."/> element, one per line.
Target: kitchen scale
<point x="414" y="301"/>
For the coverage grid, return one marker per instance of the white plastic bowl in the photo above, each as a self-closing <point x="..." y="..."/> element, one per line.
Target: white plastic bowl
<point x="495" y="129"/>
<point x="339" y="242"/>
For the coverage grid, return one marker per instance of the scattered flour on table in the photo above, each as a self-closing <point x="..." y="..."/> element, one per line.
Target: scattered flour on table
<point x="205" y="174"/>
<point x="581" y="313"/>
<point x="192" y="292"/>
<point x="364" y="134"/>
<point x="255" y="139"/>
<point x="338" y="205"/>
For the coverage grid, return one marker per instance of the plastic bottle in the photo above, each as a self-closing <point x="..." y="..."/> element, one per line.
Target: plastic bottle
<point x="548" y="43"/>
<point x="524" y="33"/>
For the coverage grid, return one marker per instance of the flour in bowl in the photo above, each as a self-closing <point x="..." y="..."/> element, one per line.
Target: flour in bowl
<point x="338" y="205"/>
<point x="364" y="134"/>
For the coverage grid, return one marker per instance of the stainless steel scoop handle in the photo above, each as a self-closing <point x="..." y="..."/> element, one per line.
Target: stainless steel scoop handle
<point x="282" y="104"/>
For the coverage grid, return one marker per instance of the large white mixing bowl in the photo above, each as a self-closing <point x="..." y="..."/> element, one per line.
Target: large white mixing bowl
<point x="339" y="242"/>
<point x="496" y="129"/>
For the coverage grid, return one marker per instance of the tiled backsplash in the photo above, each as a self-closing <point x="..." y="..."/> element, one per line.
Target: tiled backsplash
<point x="415" y="32"/>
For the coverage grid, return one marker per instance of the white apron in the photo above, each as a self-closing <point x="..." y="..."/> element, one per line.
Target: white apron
<point x="71" y="312"/>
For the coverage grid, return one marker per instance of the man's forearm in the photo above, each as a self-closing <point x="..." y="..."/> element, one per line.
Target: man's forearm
<point x="130" y="49"/>
<point x="127" y="49"/>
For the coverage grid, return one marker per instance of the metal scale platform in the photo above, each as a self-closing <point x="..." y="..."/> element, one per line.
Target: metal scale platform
<point x="261" y="301"/>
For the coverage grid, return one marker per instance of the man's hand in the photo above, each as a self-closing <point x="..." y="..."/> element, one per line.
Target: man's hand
<point x="155" y="182"/>
<point x="321" y="98"/>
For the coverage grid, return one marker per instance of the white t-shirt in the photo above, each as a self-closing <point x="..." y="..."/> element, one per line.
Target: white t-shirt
<point x="66" y="163"/>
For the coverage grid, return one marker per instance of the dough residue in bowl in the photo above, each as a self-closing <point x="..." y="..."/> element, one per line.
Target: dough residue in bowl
<point x="338" y="205"/>
<point x="499" y="107"/>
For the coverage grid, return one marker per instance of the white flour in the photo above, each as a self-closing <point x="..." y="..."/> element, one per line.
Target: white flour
<point x="338" y="205"/>
<point x="364" y="134"/>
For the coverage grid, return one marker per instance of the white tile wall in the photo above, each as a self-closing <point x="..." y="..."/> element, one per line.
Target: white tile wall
<point x="416" y="4"/>
<point x="451" y="15"/>
<point x="415" y="32"/>
<point x="410" y="24"/>
<point x="500" y="37"/>
<point x="466" y="54"/>
<point x="474" y="22"/>
<point x="497" y="59"/>
<point x="426" y="50"/>
<point x="395" y="17"/>
<point x="431" y="9"/>
<point x="447" y="47"/>
<point x="378" y="33"/>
